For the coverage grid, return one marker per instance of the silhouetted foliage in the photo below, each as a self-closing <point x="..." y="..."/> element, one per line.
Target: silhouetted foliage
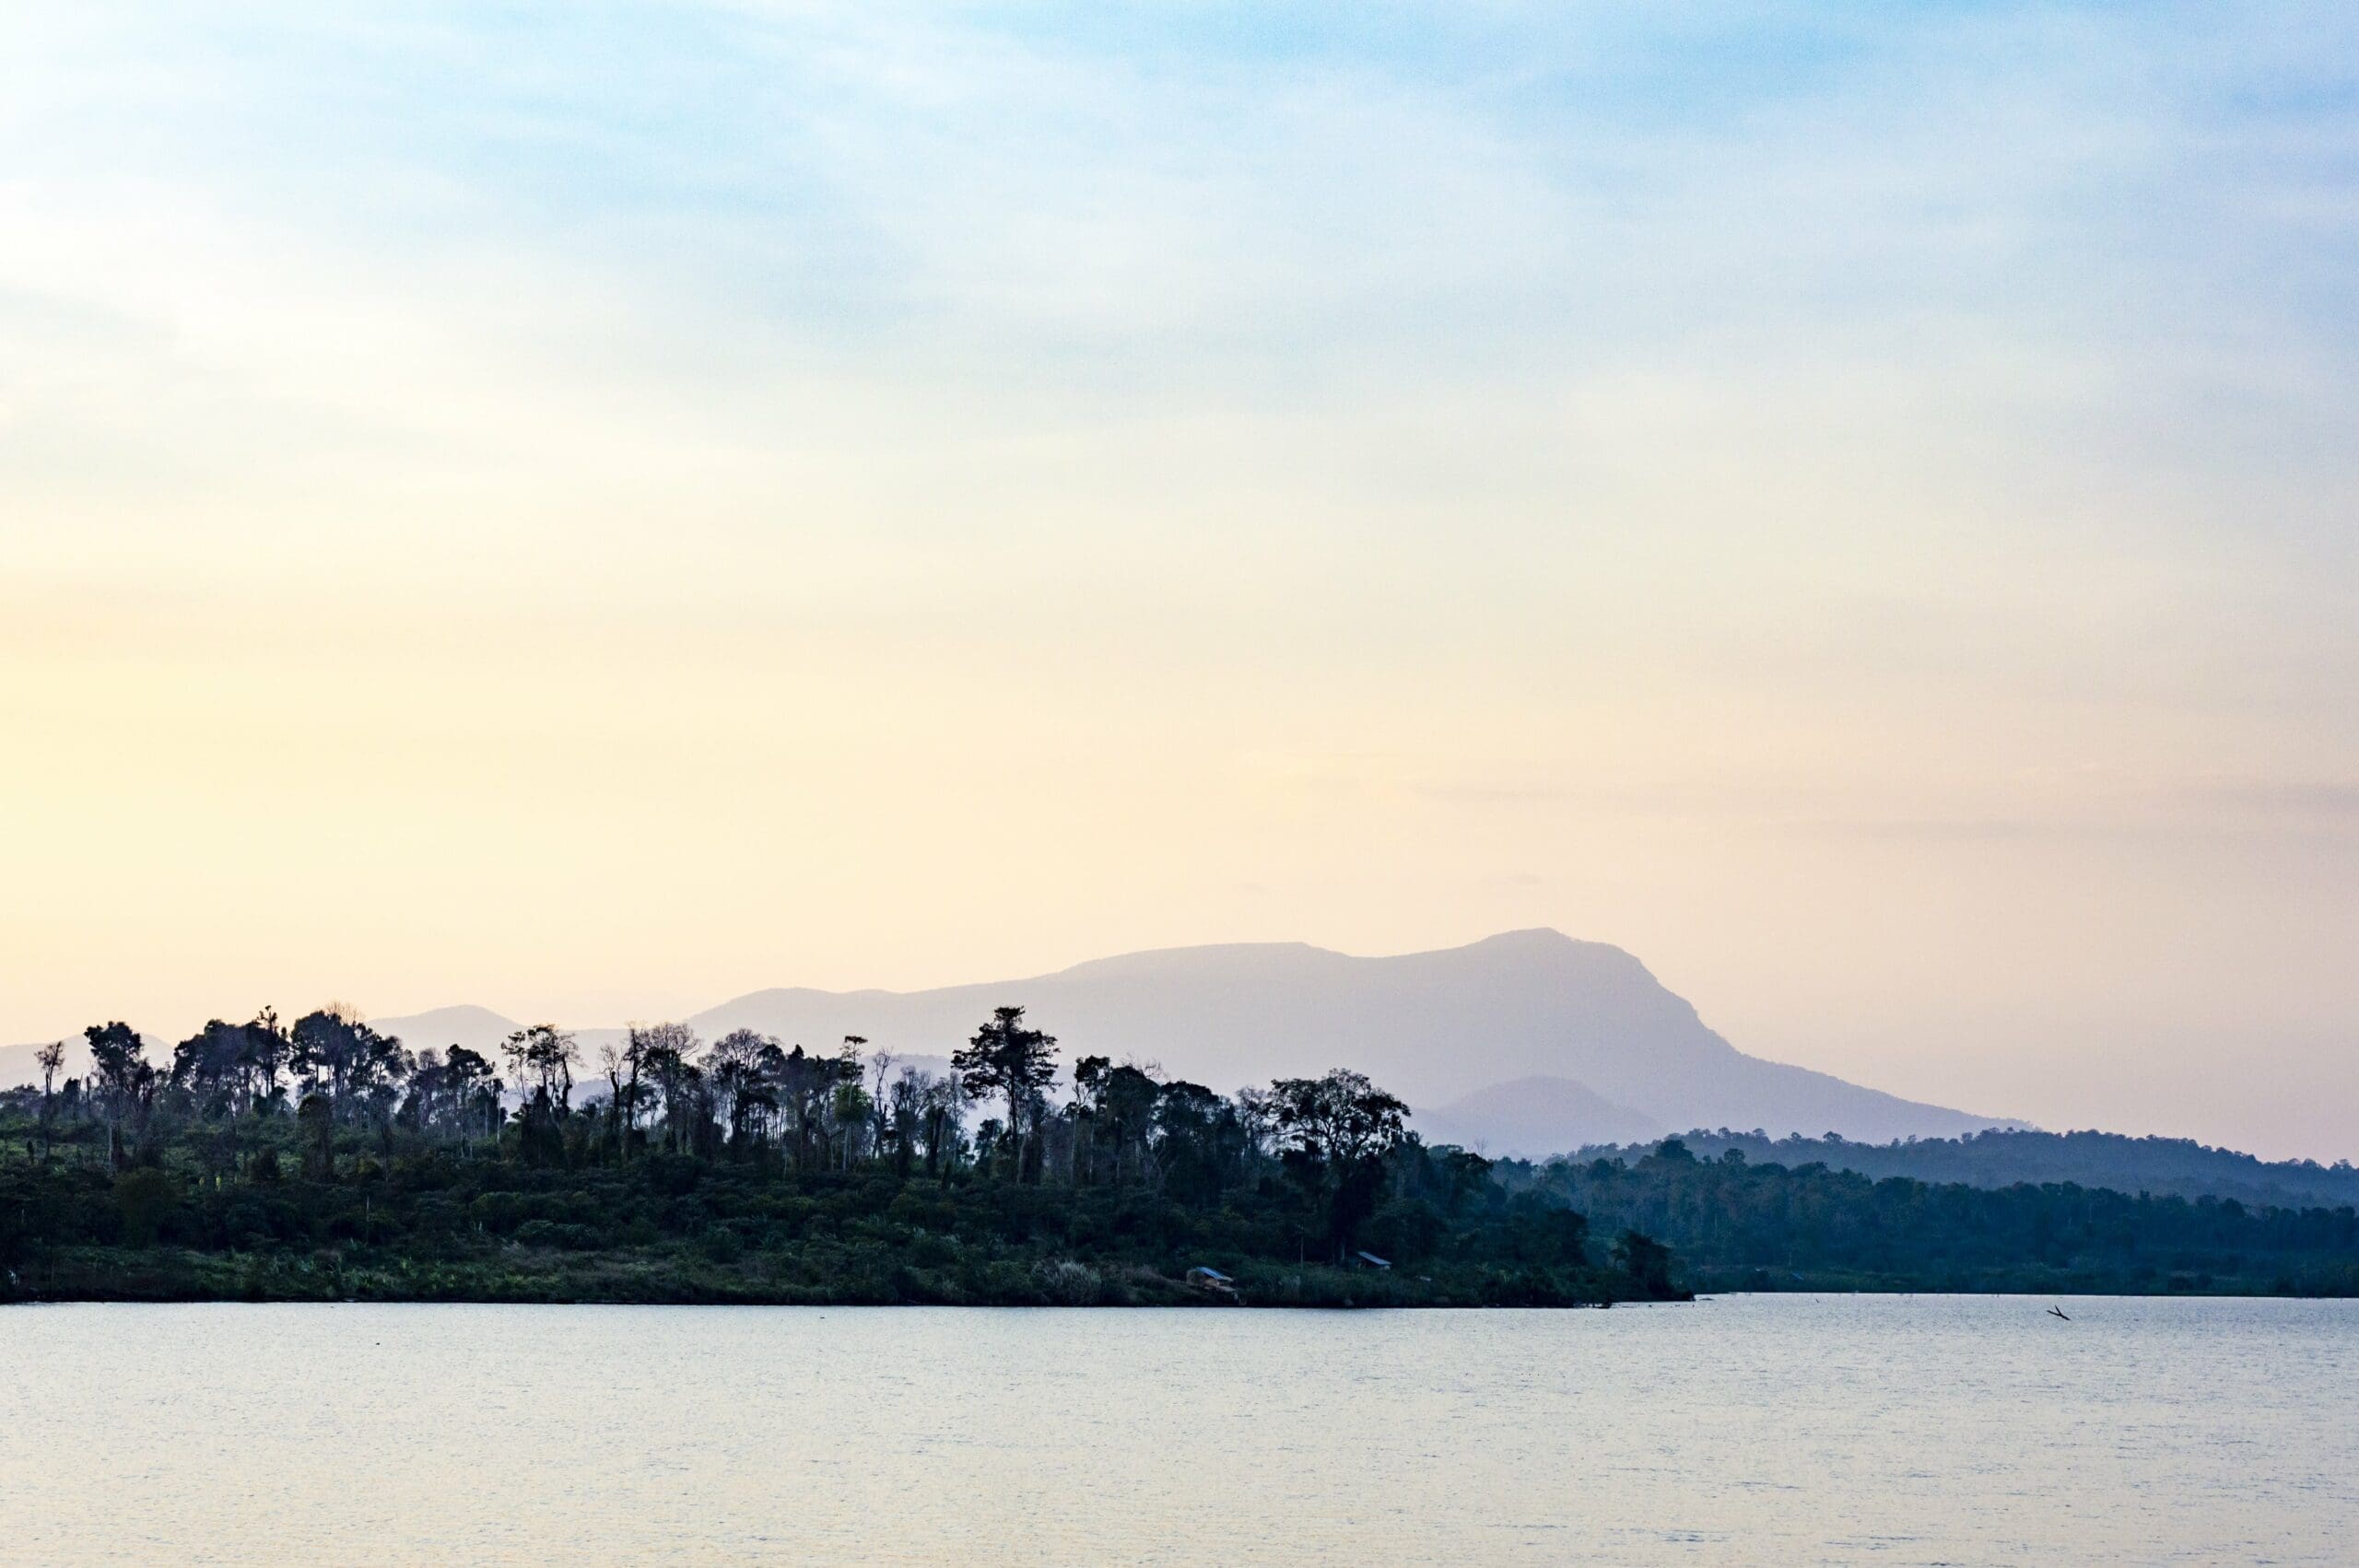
<point x="1009" y="1058"/>
<point x="328" y="1159"/>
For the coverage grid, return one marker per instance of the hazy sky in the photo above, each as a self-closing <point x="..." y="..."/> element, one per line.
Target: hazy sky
<point x="594" y="507"/>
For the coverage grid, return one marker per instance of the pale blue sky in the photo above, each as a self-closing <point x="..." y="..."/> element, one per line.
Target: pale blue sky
<point x="1854" y="503"/>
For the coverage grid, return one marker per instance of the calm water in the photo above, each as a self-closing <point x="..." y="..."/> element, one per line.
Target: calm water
<point x="1777" y="1429"/>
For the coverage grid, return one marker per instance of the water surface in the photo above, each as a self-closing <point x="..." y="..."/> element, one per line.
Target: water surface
<point x="1765" y="1429"/>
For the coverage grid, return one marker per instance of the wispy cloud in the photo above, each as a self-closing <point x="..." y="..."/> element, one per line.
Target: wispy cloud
<point x="1438" y="464"/>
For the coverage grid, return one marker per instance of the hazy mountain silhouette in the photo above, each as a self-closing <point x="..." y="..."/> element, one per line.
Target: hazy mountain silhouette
<point x="1525" y="1043"/>
<point x="1436" y="1028"/>
<point x="1535" y="1118"/>
<point x="16" y="1064"/>
<point x="478" y="1028"/>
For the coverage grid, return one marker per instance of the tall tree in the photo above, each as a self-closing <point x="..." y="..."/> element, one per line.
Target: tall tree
<point x="265" y="1055"/>
<point x="943" y="1102"/>
<point x="50" y="1058"/>
<point x="664" y="1053"/>
<point x="474" y="1091"/>
<point x="734" y="1069"/>
<point x="1337" y="1130"/>
<point x="804" y="1083"/>
<point x="881" y="1122"/>
<point x="125" y="1079"/>
<point x="544" y="1056"/>
<point x="209" y="1065"/>
<point x="655" y="1056"/>
<point x="1008" y="1057"/>
<point x="340" y="1055"/>
<point x="1337" y="1120"/>
<point x="621" y="1059"/>
<point x="1128" y="1100"/>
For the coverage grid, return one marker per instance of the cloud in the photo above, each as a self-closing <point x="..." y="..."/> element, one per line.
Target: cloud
<point x="1334" y="451"/>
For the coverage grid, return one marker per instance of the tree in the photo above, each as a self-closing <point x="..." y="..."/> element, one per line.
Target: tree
<point x="1009" y="1058"/>
<point x="340" y="1055"/>
<point x="1646" y="1262"/>
<point x="908" y="1107"/>
<point x="848" y="1111"/>
<point x="211" y="1064"/>
<point x="265" y="1055"/>
<point x="882" y="1123"/>
<point x="1338" y="1120"/>
<point x="544" y="1055"/>
<point x="1201" y="1141"/>
<point x="1114" y="1110"/>
<point x="805" y="1084"/>
<point x="941" y="1112"/>
<point x="50" y="1058"/>
<point x="1337" y="1130"/>
<point x="621" y="1059"/>
<point x="1128" y="1100"/>
<point x="541" y="1059"/>
<point x="475" y="1092"/>
<point x="735" y="1070"/>
<point x="654" y="1056"/>
<point x="316" y="1116"/>
<point x="1257" y="1118"/>
<point x="1088" y="1108"/>
<point x="664" y="1053"/>
<point x="125" y="1079"/>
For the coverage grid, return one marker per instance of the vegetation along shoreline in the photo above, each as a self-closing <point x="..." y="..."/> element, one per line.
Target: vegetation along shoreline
<point x="323" y="1160"/>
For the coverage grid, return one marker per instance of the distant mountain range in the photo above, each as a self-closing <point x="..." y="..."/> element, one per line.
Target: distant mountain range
<point x="1529" y="1043"/>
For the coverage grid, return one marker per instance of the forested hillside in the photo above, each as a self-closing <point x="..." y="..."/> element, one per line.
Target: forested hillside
<point x="2003" y="1156"/>
<point x="1738" y="1223"/>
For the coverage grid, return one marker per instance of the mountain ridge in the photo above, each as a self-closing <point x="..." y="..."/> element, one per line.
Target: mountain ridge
<point x="1616" y="1049"/>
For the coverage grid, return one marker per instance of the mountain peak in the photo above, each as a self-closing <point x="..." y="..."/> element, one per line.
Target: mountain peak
<point x="478" y="1028"/>
<point x="1532" y="938"/>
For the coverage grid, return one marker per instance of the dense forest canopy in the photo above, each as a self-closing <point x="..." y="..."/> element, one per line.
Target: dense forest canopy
<point x="2004" y="1156"/>
<point x="1738" y="1223"/>
<point x="324" y="1158"/>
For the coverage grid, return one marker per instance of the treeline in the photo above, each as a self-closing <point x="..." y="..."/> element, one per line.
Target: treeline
<point x="2005" y="1157"/>
<point x="1739" y="1222"/>
<point x="324" y="1158"/>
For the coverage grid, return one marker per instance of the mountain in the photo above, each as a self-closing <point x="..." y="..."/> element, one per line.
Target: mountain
<point x="1454" y="1029"/>
<point x="478" y="1028"/>
<point x="1535" y="1118"/>
<point x="1525" y="1043"/>
<point x="17" y="1066"/>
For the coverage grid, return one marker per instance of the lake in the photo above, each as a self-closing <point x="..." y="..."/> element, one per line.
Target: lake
<point x="1752" y="1429"/>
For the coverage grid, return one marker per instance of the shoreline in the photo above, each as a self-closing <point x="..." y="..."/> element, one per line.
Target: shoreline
<point x="174" y="1275"/>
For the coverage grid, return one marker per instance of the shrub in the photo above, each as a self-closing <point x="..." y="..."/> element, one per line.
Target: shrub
<point x="1068" y="1283"/>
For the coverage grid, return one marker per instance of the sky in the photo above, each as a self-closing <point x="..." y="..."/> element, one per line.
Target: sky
<point x="591" y="509"/>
